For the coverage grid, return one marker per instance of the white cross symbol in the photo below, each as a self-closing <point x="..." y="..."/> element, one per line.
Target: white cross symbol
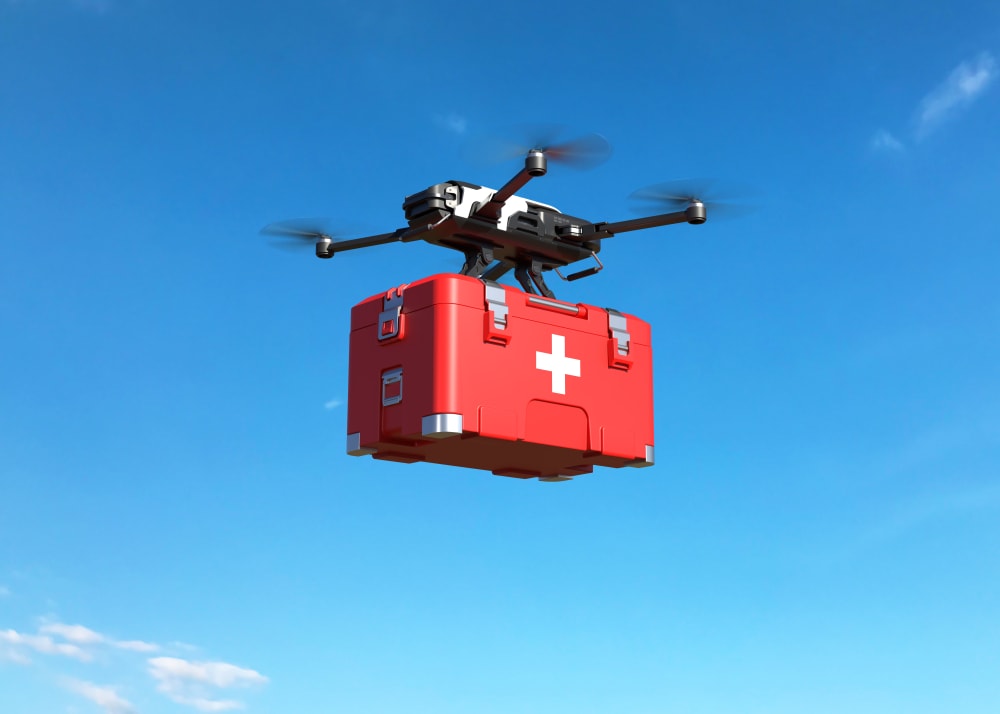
<point x="558" y="363"/>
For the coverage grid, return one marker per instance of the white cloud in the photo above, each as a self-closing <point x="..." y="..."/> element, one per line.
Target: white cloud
<point x="962" y="87"/>
<point x="196" y="684"/>
<point x="211" y="705"/>
<point x="105" y="697"/>
<point x="73" y="633"/>
<point x="884" y="141"/>
<point x="43" y="644"/>
<point x="332" y="404"/>
<point x="80" y="635"/>
<point x="455" y="123"/>
<point x="137" y="646"/>
<point x="193" y="683"/>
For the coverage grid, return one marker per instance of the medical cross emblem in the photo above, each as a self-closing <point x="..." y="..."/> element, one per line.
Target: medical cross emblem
<point x="558" y="363"/>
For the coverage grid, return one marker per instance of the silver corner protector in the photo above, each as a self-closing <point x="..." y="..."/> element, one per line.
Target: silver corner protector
<point x="649" y="460"/>
<point x="354" y="447"/>
<point x="441" y="426"/>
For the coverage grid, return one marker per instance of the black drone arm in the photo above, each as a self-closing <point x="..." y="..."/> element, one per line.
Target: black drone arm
<point x="534" y="165"/>
<point x="367" y="241"/>
<point x="694" y="213"/>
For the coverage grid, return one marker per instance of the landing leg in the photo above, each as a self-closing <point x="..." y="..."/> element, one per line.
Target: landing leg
<point x="531" y="279"/>
<point x="477" y="261"/>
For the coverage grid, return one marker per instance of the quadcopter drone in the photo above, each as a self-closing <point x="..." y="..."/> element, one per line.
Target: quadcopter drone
<point x="498" y="231"/>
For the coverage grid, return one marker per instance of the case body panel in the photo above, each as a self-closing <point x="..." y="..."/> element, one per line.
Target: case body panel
<point x="543" y="391"/>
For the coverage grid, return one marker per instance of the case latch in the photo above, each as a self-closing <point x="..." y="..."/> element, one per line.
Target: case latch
<point x="390" y="320"/>
<point x="392" y="387"/>
<point x="619" y="342"/>
<point x="495" y="327"/>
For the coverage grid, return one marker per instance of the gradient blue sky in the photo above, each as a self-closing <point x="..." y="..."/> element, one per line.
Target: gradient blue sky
<point x="180" y="529"/>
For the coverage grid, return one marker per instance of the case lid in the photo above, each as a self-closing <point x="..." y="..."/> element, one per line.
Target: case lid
<point x="471" y="292"/>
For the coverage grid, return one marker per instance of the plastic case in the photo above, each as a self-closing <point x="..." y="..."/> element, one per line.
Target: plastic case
<point x="454" y="370"/>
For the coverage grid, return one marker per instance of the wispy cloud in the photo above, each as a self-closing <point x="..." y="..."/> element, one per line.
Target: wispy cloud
<point x="194" y="683"/>
<point x="4" y="591"/>
<point x="73" y="633"/>
<point x="964" y="85"/>
<point x="332" y="404"/>
<point x="137" y="646"/>
<point x="884" y="141"/>
<point x="105" y="697"/>
<point x="18" y="642"/>
<point x="80" y="635"/>
<point x="455" y="123"/>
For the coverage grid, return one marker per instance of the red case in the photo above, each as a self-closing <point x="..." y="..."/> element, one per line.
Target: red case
<point x="454" y="370"/>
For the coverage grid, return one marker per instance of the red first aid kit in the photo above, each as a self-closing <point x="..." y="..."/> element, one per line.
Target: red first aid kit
<point x="455" y="370"/>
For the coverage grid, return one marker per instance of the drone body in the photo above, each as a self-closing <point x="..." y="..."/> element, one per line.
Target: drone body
<point x="498" y="231"/>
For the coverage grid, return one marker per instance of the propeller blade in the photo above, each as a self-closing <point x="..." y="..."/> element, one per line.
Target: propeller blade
<point x="305" y="229"/>
<point x="677" y="195"/>
<point x="583" y="152"/>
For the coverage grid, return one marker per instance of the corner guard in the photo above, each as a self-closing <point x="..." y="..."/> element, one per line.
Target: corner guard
<point x="354" y="447"/>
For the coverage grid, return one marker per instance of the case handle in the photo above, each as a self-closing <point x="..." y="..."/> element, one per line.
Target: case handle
<point x="563" y="308"/>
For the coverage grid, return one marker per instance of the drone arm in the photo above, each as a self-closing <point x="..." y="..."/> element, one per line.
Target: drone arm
<point x="367" y="241"/>
<point x="694" y="213"/>
<point x="534" y="165"/>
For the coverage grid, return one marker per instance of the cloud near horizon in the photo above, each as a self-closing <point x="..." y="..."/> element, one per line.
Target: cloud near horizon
<point x="105" y="697"/>
<point x="193" y="683"/>
<point x="80" y="635"/>
<point x="18" y="642"/>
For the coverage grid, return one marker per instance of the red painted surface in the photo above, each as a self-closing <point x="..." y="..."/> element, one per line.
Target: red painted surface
<point x="515" y="422"/>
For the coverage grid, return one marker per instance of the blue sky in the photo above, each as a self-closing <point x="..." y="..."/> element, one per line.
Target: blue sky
<point x="180" y="530"/>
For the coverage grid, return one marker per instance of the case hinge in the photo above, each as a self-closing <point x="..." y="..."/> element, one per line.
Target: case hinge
<point x="390" y="320"/>
<point x="495" y="327"/>
<point x="619" y="342"/>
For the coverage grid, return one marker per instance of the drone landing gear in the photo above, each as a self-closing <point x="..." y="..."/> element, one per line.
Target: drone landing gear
<point x="477" y="260"/>
<point x="479" y="263"/>
<point x="530" y="277"/>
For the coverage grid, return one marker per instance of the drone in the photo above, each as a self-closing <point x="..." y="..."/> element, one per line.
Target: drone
<point x="498" y="231"/>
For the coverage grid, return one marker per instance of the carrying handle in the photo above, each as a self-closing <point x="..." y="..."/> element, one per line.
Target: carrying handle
<point x="585" y="273"/>
<point x="563" y="308"/>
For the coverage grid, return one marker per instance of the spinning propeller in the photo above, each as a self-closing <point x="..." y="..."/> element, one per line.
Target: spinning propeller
<point x="677" y="195"/>
<point x="582" y="152"/>
<point x="300" y="233"/>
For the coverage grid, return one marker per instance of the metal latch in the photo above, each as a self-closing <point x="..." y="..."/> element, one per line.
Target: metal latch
<point x="619" y="341"/>
<point x="618" y="327"/>
<point x="392" y="314"/>
<point x="392" y="387"/>
<point x="496" y="300"/>
<point x="495" y="326"/>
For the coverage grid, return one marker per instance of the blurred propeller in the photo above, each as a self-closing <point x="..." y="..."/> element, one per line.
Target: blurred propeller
<point x="677" y="195"/>
<point x="583" y="152"/>
<point x="299" y="234"/>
